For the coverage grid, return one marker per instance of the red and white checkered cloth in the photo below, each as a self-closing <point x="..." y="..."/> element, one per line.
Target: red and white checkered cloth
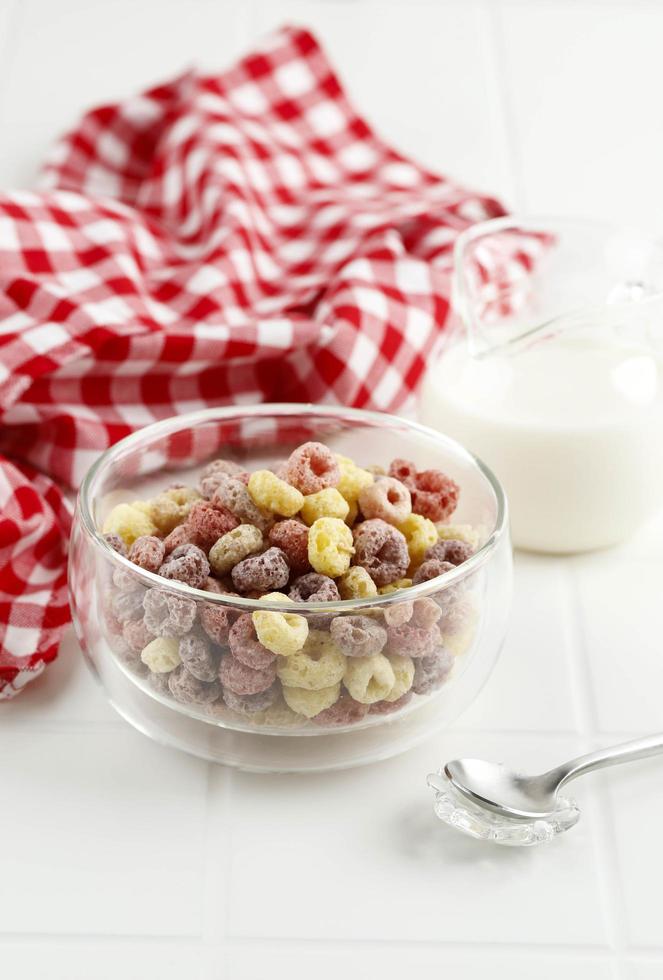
<point x="183" y="244"/>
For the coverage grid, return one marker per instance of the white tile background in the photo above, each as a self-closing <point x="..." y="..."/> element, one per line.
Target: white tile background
<point x="122" y="859"/>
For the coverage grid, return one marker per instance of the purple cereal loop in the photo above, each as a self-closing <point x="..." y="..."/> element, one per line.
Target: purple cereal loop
<point x="232" y="495"/>
<point x="345" y="711"/>
<point x="137" y="635"/>
<point x="426" y="612"/>
<point x="415" y="641"/>
<point x="261" y="573"/>
<point x="389" y="707"/>
<point x="128" y="605"/>
<point x="358" y="636"/>
<point x="382" y="550"/>
<point x="240" y="679"/>
<point x="399" y="613"/>
<point x="116" y="543"/>
<point x="187" y="564"/>
<point x="167" y="614"/>
<point x="147" y="552"/>
<point x="431" y="569"/>
<point x="432" y="671"/>
<point x="198" y="657"/>
<point x="314" y="587"/>
<point x="249" y="704"/>
<point x="188" y="689"/>
<point x="246" y="647"/>
<point x="450" y="550"/>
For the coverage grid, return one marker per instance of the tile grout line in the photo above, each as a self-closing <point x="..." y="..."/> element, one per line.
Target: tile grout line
<point x="479" y="949"/>
<point x="587" y="713"/>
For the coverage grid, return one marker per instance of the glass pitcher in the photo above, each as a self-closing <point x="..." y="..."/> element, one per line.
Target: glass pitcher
<point x="553" y="374"/>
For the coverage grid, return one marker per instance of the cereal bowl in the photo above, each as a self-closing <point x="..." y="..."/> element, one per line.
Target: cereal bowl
<point x="231" y="614"/>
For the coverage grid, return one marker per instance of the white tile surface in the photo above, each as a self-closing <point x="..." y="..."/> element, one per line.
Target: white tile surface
<point x="107" y="835"/>
<point x="359" y="826"/>
<point x="621" y="619"/>
<point x="636" y="802"/>
<point x="121" y="859"/>
<point x="530" y="689"/>
<point x="328" y="963"/>
<point x="76" y="960"/>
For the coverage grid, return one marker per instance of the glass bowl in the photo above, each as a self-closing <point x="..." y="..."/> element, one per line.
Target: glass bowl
<point x="470" y="601"/>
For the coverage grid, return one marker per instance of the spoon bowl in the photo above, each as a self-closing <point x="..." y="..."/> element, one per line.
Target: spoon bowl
<point x="489" y="801"/>
<point x="502" y="790"/>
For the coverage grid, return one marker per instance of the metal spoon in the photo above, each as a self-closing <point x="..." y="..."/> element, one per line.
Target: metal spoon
<point x="511" y="794"/>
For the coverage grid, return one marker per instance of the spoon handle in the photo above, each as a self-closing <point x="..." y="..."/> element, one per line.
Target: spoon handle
<point x="639" y="748"/>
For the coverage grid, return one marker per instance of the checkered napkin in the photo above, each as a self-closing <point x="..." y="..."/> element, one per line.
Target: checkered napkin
<point x="239" y="237"/>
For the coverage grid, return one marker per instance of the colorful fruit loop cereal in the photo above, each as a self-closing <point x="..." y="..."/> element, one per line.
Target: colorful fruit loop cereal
<point x="234" y="547"/>
<point x="330" y="547"/>
<point x="283" y="633"/>
<point x="167" y="614"/>
<point x="315" y="528"/>
<point x="312" y="467"/>
<point x="162" y="655"/>
<point x="272" y="494"/>
<point x="369" y="679"/>
<point x="187" y="564"/>
<point x="325" y="503"/>
<point x="319" y="664"/>
<point x="356" y="584"/>
<point x="261" y="573"/>
<point x="388" y="499"/>
<point x="241" y="679"/>
<point x="245" y="645"/>
<point x="358" y="636"/>
<point x="310" y="703"/>
<point x="189" y="689"/>
<point x="382" y="550"/>
<point x="292" y="538"/>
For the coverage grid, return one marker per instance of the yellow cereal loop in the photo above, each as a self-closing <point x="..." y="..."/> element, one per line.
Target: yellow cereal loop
<point x="330" y="546"/>
<point x="403" y="668"/>
<point x="356" y="584"/>
<point x="272" y="494"/>
<point x="162" y="655"/>
<point x="353" y="512"/>
<point x="278" y="715"/>
<point x="324" y="503"/>
<point x="400" y="583"/>
<point x="170" y="508"/>
<point x="461" y="532"/>
<point x="183" y="496"/>
<point x="353" y="478"/>
<point x="282" y="633"/>
<point x="369" y="679"/>
<point x="319" y="665"/>
<point x="130" y="522"/>
<point x="420" y="533"/>
<point x="459" y="643"/>
<point x="233" y="547"/>
<point x="311" y="703"/>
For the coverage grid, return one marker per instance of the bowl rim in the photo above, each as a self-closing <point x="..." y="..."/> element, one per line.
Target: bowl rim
<point x="288" y="409"/>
